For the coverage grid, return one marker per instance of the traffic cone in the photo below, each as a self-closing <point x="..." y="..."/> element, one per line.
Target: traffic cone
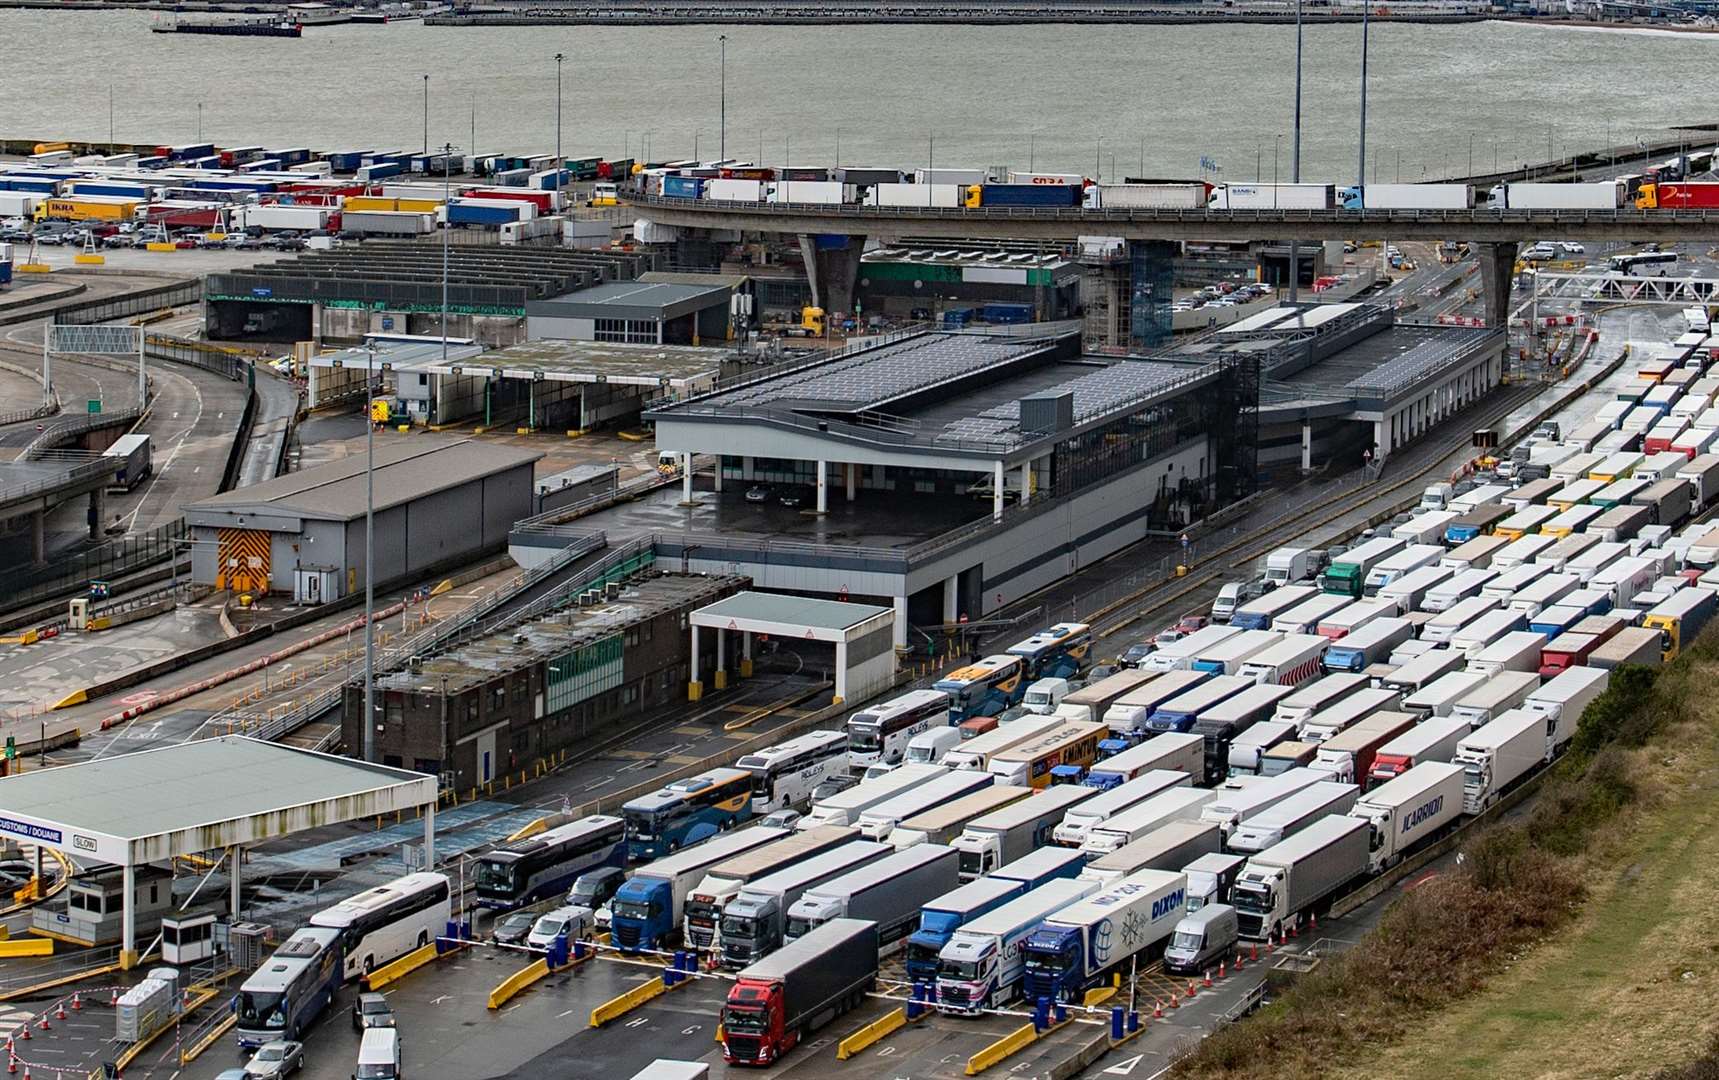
<point x="113" y="996"/>
<point x="1238" y="961"/>
<point x="77" y="1003"/>
<point x="25" y="1033"/>
<point x="11" y="1063"/>
<point x="1222" y="971"/>
<point x="1312" y="921"/>
<point x="60" y="1012"/>
<point x="1157" y="1009"/>
<point x="1190" y="989"/>
<point x="1175" y="1000"/>
<point x="45" y="1025"/>
<point x="1293" y="932"/>
<point x="1206" y="978"/>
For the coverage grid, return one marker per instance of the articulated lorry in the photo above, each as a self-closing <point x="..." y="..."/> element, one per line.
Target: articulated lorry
<point x="845" y="807"/>
<point x="1563" y="699"/>
<point x="1409" y="810"/>
<point x="784" y="997"/>
<point x="723" y="882"/>
<point x="1018" y="829"/>
<point x="648" y="908"/>
<point x="1280" y="822"/>
<point x="1433" y="739"/>
<point x="1286" y="881"/>
<point x="1079" y="820"/>
<point x="941" y="916"/>
<point x="753" y="922"/>
<point x="982" y="965"/>
<point x="1498" y="755"/>
<point x="888" y="892"/>
<point x="1083" y="943"/>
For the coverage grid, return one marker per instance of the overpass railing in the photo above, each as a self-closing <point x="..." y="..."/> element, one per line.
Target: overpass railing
<point x="164" y="296"/>
<point x="113" y="559"/>
<point x="1529" y="219"/>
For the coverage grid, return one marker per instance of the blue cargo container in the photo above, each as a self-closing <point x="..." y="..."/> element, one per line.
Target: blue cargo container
<point x="191" y="151"/>
<point x="465" y="213"/>
<point x="154" y="161"/>
<point x="553" y="180"/>
<point x="37" y="187"/>
<point x="957" y="316"/>
<point x="378" y="171"/>
<point x="109" y="187"/>
<point x="1047" y="195"/>
<point x="296" y="156"/>
<point x="213" y="161"/>
<point x="683" y="187"/>
<point x="1007" y="313"/>
<point x="346" y="160"/>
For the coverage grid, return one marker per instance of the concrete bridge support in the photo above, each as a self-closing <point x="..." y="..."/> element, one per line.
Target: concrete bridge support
<point x="832" y="267"/>
<point x="1497" y="274"/>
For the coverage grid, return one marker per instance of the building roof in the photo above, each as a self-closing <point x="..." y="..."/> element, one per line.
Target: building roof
<point x="406" y="470"/>
<point x="632" y="300"/>
<point x="514" y="648"/>
<point x="796" y="616"/>
<point x="678" y="277"/>
<point x="198" y="796"/>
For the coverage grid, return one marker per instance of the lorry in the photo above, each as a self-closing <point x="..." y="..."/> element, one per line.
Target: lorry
<point x="941" y="916"/>
<point x="1566" y="652"/>
<point x="1409" y="810"/>
<point x="1599" y="195"/>
<point x="1179" y="713"/>
<point x="1211" y="879"/>
<point x="1226" y="658"/>
<point x="1230" y="807"/>
<point x="1170" y="846"/>
<point x="1367" y="646"/>
<point x="1291" y="565"/>
<point x="1671" y="500"/>
<point x="1081" y="944"/>
<point x="982" y="965"/>
<point x="1422" y="671"/>
<point x="1475" y="522"/>
<point x="1440" y="696"/>
<point x="1179" y="655"/>
<point x="1327" y="722"/>
<point x="1286" y="755"/>
<point x="387" y="223"/>
<point x="976" y="753"/>
<point x="1292" y="878"/>
<point x="1260" y="612"/>
<point x="1356" y="616"/>
<point x="888" y="892"/>
<point x="1562" y="701"/>
<point x="1091" y="701"/>
<point x="723" y="881"/>
<point x="753" y="922"/>
<point x="1291" y="662"/>
<point x="1472" y="639"/>
<point x="1005" y="835"/>
<point x="649" y="907"/>
<point x="1305" y="617"/>
<point x="1328" y="691"/>
<point x="1348" y="755"/>
<point x="879" y="821"/>
<point x="1476" y="554"/>
<point x="777" y="1001"/>
<point x="1499" y="754"/>
<point x="1146" y="196"/>
<point x="845" y="807"/>
<point x="1220" y="725"/>
<point x="1178" y="751"/>
<point x="1247" y="750"/>
<point x="1347" y="574"/>
<point x="1278" y="823"/>
<point x="1433" y="739"/>
<point x="1410" y="590"/>
<point x="1501" y="692"/>
<point x="942" y="824"/>
<point x="1079" y="820"/>
<point x="1631" y="645"/>
<point x="1127" y="718"/>
<point x="1408" y="197"/>
<point x="1518" y="650"/>
<point x="132" y="452"/>
<point x="1122" y="829"/>
<point x="1273" y="197"/>
<point x="276" y="218"/>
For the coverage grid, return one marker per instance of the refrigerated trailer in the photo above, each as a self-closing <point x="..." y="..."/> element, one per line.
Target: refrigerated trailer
<point x="1286" y="881"/>
<point x="1498" y="755"/>
<point x="983" y="962"/>
<point x="1432" y="739"/>
<point x="723" y="882"/>
<point x="1084" y="942"/>
<point x="888" y="892"/>
<point x="1005" y="835"/>
<point x="752" y="922"/>
<point x="1290" y="816"/>
<point x="1410" y="810"/>
<point x="1079" y="820"/>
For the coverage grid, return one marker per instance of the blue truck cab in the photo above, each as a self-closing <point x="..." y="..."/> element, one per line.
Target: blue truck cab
<point x="641" y="914"/>
<point x="1055" y="962"/>
<point x="1109" y="748"/>
<point x="939" y="919"/>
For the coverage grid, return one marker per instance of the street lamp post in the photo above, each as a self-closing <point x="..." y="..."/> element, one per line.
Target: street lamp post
<point x="426" y="116"/>
<point x="722" y="122"/>
<point x="369" y="741"/>
<point x="1295" y="162"/>
<point x="558" y="59"/>
<point x="1361" y="166"/>
<point x="199" y="121"/>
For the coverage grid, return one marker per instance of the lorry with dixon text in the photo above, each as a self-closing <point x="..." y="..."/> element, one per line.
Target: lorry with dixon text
<point x="1083" y="943"/>
<point x="982" y="964"/>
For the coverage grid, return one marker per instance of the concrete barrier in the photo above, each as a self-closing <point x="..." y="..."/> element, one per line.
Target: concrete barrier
<point x="617" y="1007"/>
<point x="27" y="947"/>
<point x="999" y="1051"/>
<point x="509" y="987"/>
<point x="889" y="1022"/>
<point x="398" y="969"/>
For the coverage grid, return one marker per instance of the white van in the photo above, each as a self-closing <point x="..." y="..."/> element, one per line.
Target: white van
<point x="379" y="1055"/>
<point x="928" y="747"/>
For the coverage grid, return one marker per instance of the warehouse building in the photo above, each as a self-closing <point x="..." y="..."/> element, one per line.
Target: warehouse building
<point x="635" y="313"/>
<point x="483" y="707"/>
<point x="341" y="296"/>
<point x="961" y="285"/>
<point x="438" y="502"/>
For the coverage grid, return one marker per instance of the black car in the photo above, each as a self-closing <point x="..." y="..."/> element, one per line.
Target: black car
<point x="372" y="1010"/>
<point x="511" y="928"/>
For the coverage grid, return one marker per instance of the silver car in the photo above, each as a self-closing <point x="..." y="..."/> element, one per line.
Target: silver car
<point x="276" y="1059"/>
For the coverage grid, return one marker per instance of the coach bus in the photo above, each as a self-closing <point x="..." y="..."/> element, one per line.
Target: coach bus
<point x="880" y="733"/>
<point x="985" y="688"/>
<point x="389" y="921"/>
<point x="687" y="811"/>
<point x="785" y="774"/>
<point x="543" y="865"/>
<point x="284" y="997"/>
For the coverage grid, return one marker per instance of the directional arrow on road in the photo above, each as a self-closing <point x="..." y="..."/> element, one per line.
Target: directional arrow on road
<point x="1123" y="1068"/>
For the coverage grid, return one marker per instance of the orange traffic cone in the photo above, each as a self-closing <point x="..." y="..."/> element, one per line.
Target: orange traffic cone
<point x="1157" y="1009"/>
<point x="77" y="1003"/>
<point x="1238" y="961"/>
<point x="1312" y="921"/>
<point x="1190" y="988"/>
<point x="25" y="1033"/>
<point x="60" y="1012"/>
<point x="45" y="1026"/>
<point x="1253" y="954"/>
<point x="11" y="1063"/>
<point x="1206" y="977"/>
<point x="1221" y="969"/>
<point x="1175" y="1000"/>
<point x="113" y="996"/>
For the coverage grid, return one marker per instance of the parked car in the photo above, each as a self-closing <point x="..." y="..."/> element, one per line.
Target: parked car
<point x="276" y="1059"/>
<point x="791" y="497"/>
<point x="371" y="1010"/>
<point x="1571" y="247"/>
<point x="758" y="493"/>
<point x="781" y="819"/>
<point x="1099" y="671"/>
<point x="574" y="922"/>
<point x="511" y="928"/>
<point x="1167" y="636"/>
<point x="1133" y="654"/>
<point x="1187" y="624"/>
<point x="835" y="785"/>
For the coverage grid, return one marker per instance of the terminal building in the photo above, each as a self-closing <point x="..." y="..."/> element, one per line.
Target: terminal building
<point x="437" y="502"/>
<point x="942" y="473"/>
<point x="509" y="694"/>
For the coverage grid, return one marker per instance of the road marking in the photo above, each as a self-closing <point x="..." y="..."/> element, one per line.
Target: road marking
<point x="1123" y="1068"/>
<point x="562" y="1016"/>
<point x="440" y="999"/>
<point x="638" y="1022"/>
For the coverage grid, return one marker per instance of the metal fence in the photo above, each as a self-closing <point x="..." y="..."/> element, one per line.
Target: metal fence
<point x="163" y="296"/>
<point x="111" y="560"/>
<point x="227" y="362"/>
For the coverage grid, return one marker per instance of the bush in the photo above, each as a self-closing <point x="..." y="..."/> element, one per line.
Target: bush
<point x="1572" y="806"/>
<point x="1704" y="1067"/>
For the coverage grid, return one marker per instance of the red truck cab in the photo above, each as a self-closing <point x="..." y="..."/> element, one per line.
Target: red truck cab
<point x="752" y="1030"/>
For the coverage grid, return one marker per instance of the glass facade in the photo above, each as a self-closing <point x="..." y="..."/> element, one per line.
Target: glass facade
<point x="630" y="331"/>
<point x="585" y="672"/>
